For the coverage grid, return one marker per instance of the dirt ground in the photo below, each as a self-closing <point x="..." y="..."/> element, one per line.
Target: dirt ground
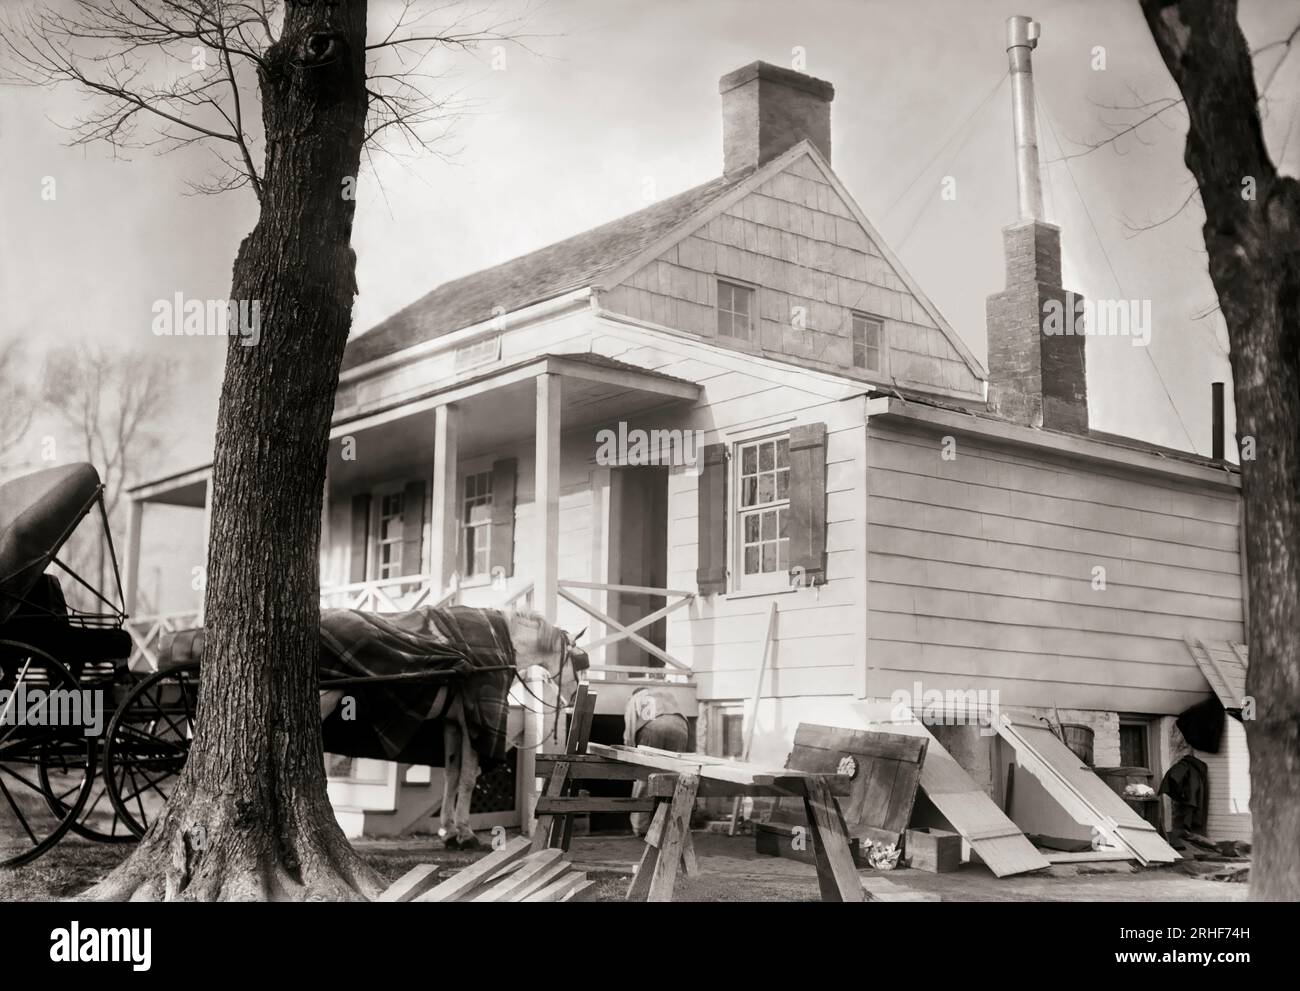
<point x="729" y="871"/>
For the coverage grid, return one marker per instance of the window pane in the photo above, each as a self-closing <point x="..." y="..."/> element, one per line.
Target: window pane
<point x="748" y="491"/>
<point x="751" y="528"/>
<point x="766" y="488"/>
<point x="783" y="452"/>
<point x="769" y="557"/>
<point x="784" y="517"/>
<point x="769" y="525"/>
<point x="751" y="560"/>
<point x="748" y="460"/>
<point x="765" y="454"/>
<point x="783" y="555"/>
<point x="783" y="485"/>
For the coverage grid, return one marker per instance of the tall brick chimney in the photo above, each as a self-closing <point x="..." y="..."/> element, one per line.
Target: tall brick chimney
<point x="766" y="110"/>
<point x="1036" y="378"/>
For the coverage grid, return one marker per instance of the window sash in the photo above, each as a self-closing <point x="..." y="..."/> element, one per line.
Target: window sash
<point x="389" y="535"/>
<point x="762" y="507"/>
<point x="867" y="332"/>
<point x="476" y="524"/>
<point x="736" y="310"/>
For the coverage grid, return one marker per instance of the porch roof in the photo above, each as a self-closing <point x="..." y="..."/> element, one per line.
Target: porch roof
<point x="596" y="388"/>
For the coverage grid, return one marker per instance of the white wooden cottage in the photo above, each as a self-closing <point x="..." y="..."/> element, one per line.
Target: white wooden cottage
<point x="831" y="448"/>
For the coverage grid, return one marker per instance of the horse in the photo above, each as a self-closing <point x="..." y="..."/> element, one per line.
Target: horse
<point x="536" y="643"/>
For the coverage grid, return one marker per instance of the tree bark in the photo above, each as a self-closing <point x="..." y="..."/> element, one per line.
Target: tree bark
<point x="1252" y="235"/>
<point x="250" y="818"/>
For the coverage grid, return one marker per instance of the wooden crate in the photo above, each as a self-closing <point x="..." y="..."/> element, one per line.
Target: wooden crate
<point x="935" y="850"/>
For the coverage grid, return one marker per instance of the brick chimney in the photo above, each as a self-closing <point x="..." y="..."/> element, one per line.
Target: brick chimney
<point x="767" y="110"/>
<point x="1035" y="377"/>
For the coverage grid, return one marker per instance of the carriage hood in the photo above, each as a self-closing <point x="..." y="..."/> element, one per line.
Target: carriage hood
<point x="37" y="514"/>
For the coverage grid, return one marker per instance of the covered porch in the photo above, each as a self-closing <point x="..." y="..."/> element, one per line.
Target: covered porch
<point x="492" y="492"/>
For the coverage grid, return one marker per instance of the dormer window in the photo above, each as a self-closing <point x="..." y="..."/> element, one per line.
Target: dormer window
<point x="736" y="310"/>
<point x="867" y="332"/>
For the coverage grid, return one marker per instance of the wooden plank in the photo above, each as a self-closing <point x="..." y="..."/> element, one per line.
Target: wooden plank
<point x="603" y="771"/>
<point x="466" y="880"/>
<point x="1089" y="857"/>
<point x="639" y="888"/>
<point x="883" y="789"/>
<point x="412" y="884"/>
<point x="661" y="785"/>
<point x="576" y="804"/>
<point x="557" y="889"/>
<point x="836" y="874"/>
<point x="754" y="698"/>
<point x="582" y="892"/>
<point x="997" y="840"/>
<point x="549" y="832"/>
<point x="535" y="867"/>
<point x="1080" y="792"/>
<point x="676" y="825"/>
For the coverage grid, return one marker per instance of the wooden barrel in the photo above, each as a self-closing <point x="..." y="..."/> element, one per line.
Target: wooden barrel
<point x="1078" y="739"/>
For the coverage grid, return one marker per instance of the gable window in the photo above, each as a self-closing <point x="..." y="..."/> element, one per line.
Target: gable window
<point x="736" y="310"/>
<point x="867" y="332"/>
<point x="476" y="524"/>
<point x="762" y="510"/>
<point x="389" y="535"/>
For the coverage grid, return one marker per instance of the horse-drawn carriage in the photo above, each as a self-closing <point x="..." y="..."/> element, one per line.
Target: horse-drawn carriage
<point x="64" y="670"/>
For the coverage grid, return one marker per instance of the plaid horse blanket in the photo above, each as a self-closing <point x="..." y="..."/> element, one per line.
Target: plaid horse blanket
<point x="473" y="642"/>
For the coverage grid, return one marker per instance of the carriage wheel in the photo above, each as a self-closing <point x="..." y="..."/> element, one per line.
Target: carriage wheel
<point x="98" y="821"/>
<point x="32" y="752"/>
<point x="148" y="741"/>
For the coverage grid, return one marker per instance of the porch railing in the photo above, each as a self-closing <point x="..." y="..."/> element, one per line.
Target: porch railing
<point x="675" y="600"/>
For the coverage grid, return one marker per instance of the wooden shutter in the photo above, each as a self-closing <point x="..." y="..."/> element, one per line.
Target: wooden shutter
<point x="711" y="575"/>
<point x="413" y="528"/>
<point x="502" y="545"/>
<point x="360" y="536"/>
<point x="807" y="523"/>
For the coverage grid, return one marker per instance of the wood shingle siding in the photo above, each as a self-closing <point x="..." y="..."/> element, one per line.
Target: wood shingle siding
<point x="797" y="240"/>
<point x="981" y="572"/>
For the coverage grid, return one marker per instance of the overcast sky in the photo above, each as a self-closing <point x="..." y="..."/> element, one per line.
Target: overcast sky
<point x="624" y="91"/>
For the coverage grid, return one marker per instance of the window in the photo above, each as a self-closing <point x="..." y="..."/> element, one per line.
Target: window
<point x="476" y="524"/>
<point x="735" y="311"/>
<point x="733" y="734"/>
<point x="763" y="486"/>
<point x="390" y="535"/>
<point x="1133" y="745"/>
<point x="866" y="342"/>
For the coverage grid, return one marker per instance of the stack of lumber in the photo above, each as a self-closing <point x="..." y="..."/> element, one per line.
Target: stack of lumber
<point x="513" y="873"/>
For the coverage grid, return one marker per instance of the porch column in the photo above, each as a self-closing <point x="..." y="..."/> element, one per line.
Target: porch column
<point x="546" y="496"/>
<point x="442" y="527"/>
<point x="132" y="577"/>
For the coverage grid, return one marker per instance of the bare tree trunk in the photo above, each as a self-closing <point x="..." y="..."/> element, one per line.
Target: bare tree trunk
<point x="249" y="818"/>
<point x="1252" y="234"/>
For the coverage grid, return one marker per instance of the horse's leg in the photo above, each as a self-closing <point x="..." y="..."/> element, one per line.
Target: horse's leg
<point x="469" y="770"/>
<point x="452" y="745"/>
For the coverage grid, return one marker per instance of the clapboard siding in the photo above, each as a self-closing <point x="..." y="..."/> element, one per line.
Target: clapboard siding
<point x="981" y="570"/>
<point x="1228" y="773"/>
<point x="814" y="264"/>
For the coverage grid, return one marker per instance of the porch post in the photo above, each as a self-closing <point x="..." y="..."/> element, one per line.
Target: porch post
<point x="132" y="577"/>
<point x="442" y="525"/>
<point x="546" y="496"/>
<point x="546" y="500"/>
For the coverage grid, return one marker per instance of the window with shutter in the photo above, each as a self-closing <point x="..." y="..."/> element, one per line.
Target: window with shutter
<point x="476" y="524"/>
<point x="762" y="513"/>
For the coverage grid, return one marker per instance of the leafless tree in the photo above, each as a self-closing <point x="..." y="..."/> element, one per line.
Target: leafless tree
<point x="15" y="396"/>
<point x="287" y="97"/>
<point x="109" y="401"/>
<point x="1252" y="237"/>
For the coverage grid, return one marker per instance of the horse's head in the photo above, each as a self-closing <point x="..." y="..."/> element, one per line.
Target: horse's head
<point x="539" y="642"/>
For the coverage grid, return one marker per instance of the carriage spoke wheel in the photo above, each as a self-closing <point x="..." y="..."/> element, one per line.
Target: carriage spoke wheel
<point x="38" y="750"/>
<point x="148" y="741"/>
